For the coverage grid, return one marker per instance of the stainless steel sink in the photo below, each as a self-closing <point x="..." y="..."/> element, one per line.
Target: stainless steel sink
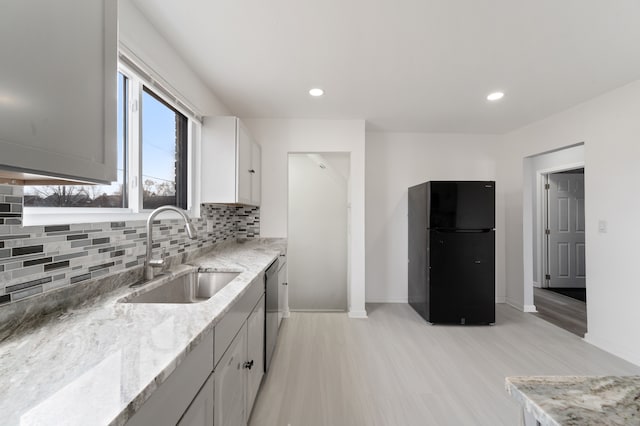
<point x="189" y="288"/>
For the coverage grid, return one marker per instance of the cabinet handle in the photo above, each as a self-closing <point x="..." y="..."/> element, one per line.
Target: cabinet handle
<point x="248" y="364"/>
<point x="285" y="283"/>
<point x="251" y="171"/>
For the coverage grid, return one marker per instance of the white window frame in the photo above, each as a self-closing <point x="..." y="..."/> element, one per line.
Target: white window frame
<point x="33" y="216"/>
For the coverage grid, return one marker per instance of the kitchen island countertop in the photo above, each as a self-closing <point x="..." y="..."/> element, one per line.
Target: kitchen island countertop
<point x="578" y="400"/>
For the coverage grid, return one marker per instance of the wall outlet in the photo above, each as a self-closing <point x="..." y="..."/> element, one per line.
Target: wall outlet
<point x="602" y="226"/>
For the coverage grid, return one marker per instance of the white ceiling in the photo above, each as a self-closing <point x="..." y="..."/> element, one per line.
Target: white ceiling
<point x="405" y="65"/>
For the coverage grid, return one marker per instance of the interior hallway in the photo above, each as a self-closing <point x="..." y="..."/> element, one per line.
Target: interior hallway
<point x="563" y="311"/>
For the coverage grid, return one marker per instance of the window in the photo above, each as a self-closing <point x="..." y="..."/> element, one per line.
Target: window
<point x="153" y="141"/>
<point x="164" y="153"/>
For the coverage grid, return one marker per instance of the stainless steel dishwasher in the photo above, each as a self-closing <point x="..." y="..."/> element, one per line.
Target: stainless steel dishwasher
<point x="271" y="312"/>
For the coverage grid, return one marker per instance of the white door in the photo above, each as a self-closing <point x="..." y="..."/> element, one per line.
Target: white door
<point x="565" y="235"/>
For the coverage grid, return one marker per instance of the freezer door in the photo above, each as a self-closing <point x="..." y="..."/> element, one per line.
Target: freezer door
<point x="462" y="205"/>
<point x="462" y="277"/>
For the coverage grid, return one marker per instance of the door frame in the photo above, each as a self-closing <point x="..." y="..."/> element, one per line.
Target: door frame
<point x="532" y="214"/>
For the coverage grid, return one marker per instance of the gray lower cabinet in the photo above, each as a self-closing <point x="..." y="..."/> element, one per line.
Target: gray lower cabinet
<point x="229" y="389"/>
<point x="239" y="373"/>
<point x="255" y="353"/>
<point x="283" y="289"/>
<point x="200" y="412"/>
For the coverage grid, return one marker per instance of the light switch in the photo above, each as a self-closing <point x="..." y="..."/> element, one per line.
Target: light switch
<point x="602" y="226"/>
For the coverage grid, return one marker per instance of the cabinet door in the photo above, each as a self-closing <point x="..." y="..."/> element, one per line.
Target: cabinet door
<point x="58" y="80"/>
<point x="282" y="290"/>
<point x="256" y="176"/>
<point x="218" y="160"/>
<point x="229" y="390"/>
<point x="255" y="353"/>
<point x="244" y="174"/>
<point x="200" y="412"/>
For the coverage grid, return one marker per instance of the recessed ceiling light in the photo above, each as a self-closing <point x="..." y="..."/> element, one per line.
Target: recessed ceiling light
<point x="495" y="96"/>
<point x="316" y="92"/>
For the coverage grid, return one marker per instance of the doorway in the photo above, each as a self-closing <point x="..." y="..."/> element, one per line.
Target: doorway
<point x="562" y="310"/>
<point x="318" y="231"/>
<point x="561" y="298"/>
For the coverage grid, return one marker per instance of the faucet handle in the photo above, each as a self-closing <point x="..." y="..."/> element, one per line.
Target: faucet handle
<point x="163" y="256"/>
<point x="159" y="263"/>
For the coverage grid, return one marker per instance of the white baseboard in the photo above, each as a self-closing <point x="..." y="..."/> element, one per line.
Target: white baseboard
<point x="521" y="307"/>
<point x="358" y="314"/>
<point x="618" y="350"/>
<point x="501" y="299"/>
<point x="387" y="300"/>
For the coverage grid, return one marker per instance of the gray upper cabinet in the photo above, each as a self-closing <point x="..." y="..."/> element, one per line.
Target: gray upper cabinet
<point x="58" y="88"/>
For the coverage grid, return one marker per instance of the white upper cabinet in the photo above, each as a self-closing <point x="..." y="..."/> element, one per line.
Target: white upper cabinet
<point x="230" y="163"/>
<point x="58" y="88"/>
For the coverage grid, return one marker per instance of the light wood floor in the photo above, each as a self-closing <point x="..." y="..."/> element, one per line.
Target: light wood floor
<point x="561" y="310"/>
<point x="395" y="369"/>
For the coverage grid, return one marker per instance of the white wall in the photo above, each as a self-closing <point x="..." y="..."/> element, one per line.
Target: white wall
<point x="278" y="138"/>
<point x="317" y="245"/>
<point x="138" y="35"/>
<point x="396" y="161"/>
<point x="609" y="126"/>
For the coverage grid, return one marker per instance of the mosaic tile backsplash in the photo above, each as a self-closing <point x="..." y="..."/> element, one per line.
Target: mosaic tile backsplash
<point x="38" y="259"/>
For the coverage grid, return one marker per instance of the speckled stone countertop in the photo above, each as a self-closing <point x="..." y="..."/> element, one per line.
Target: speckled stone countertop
<point x="579" y="400"/>
<point x="98" y="363"/>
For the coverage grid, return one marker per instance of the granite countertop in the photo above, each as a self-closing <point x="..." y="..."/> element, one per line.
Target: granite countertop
<point x="98" y="363"/>
<point x="579" y="400"/>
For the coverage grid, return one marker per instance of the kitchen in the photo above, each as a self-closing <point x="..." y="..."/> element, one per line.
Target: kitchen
<point x="385" y="161"/>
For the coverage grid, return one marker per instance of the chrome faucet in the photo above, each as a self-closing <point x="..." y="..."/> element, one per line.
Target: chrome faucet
<point x="149" y="263"/>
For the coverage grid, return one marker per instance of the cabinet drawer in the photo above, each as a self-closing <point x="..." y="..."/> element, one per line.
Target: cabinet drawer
<point x="232" y="321"/>
<point x="167" y="403"/>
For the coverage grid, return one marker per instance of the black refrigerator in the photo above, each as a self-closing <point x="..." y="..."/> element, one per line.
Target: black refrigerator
<point x="452" y="251"/>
